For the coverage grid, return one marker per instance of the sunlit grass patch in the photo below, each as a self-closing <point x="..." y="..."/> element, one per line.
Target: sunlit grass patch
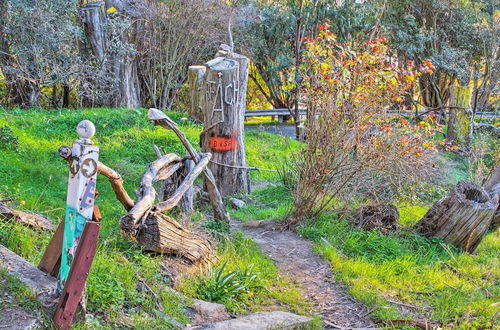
<point x="35" y="177"/>
<point x="270" y="203"/>
<point x="268" y="290"/>
<point x="441" y="283"/>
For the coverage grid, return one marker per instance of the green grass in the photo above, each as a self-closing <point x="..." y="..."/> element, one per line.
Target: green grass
<point x="35" y="177"/>
<point x="269" y="291"/>
<point x="444" y="285"/>
<point x="11" y="286"/>
<point x="270" y="203"/>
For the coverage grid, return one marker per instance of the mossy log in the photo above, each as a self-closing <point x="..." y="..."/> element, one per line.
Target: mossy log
<point x="461" y="218"/>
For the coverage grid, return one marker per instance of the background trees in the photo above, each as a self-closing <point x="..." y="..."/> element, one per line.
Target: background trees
<point x="135" y="53"/>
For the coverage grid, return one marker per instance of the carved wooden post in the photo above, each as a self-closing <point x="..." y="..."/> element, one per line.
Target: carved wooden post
<point x="82" y="157"/>
<point x="225" y="89"/>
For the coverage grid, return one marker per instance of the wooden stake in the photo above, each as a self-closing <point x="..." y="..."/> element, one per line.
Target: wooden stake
<point x="75" y="284"/>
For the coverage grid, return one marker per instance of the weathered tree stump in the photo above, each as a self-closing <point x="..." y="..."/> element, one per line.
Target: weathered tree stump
<point x="226" y="81"/>
<point x="196" y="81"/>
<point x="381" y="217"/>
<point x="157" y="232"/>
<point x="462" y="217"/>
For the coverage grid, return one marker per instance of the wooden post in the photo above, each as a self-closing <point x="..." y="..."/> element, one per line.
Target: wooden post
<point x="226" y="81"/>
<point x="75" y="284"/>
<point x="82" y="159"/>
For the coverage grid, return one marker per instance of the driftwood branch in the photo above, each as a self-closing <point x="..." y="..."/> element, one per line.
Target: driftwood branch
<point x="161" y="119"/>
<point x="116" y="181"/>
<point x="130" y="221"/>
<point x="173" y="200"/>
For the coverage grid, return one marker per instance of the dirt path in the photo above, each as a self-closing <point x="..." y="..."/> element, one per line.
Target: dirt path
<point x="296" y="259"/>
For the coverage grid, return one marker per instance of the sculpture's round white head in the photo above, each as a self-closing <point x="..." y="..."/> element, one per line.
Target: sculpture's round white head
<point x="85" y="129"/>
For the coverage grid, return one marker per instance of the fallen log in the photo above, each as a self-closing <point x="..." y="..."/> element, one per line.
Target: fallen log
<point x="30" y="219"/>
<point x="462" y="217"/>
<point x="157" y="232"/>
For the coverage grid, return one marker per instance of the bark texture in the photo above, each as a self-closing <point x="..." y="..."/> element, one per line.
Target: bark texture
<point x="381" y="217"/>
<point x="31" y="219"/>
<point x="226" y="83"/>
<point x="462" y="217"/>
<point x="196" y="80"/>
<point x="460" y="120"/>
<point x="157" y="232"/>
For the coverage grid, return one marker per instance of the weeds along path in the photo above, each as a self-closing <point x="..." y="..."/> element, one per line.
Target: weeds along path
<point x="296" y="259"/>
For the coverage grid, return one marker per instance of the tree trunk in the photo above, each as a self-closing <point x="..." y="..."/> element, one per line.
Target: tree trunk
<point x="460" y="120"/>
<point x="123" y="67"/>
<point x="224" y="120"/>
<point x="163" y="234"/>
<point x="462" y="217"/>
<point x="196" y="82"/>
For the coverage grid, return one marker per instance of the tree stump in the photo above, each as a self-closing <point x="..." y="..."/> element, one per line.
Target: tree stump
<point x="225" y="90"/>
<point x="381" y="217"/>
<point x="462" y="217"/>
<point x="196" y="81"/>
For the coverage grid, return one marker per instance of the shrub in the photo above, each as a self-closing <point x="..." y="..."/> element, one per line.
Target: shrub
<point x="220" y="285"/>
<point x="351" y="151"/>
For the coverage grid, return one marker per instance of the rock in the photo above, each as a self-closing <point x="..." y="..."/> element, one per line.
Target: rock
<point x="18" y="319"/>
<point x="209" y="312"/>
<point x="262" y="321"/>
<point x="252" y="224"/>
<point x="236" y="203"/>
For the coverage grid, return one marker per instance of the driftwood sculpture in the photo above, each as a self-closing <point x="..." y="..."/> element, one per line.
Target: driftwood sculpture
<point x="145" y="222"/>
<point x="461" y="218"/>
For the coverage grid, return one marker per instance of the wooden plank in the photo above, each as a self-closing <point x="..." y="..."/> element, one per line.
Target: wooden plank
<point x="51" y="259"/>
<point x="75" y="284"/>
<point x="41" y="284"/>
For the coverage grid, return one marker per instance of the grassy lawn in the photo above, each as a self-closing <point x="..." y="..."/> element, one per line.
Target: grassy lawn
<point x="435" y="281"/>
<point x="35" y="177"/>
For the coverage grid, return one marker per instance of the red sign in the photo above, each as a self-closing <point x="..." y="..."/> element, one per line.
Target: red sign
<point x="222" y="143"/>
